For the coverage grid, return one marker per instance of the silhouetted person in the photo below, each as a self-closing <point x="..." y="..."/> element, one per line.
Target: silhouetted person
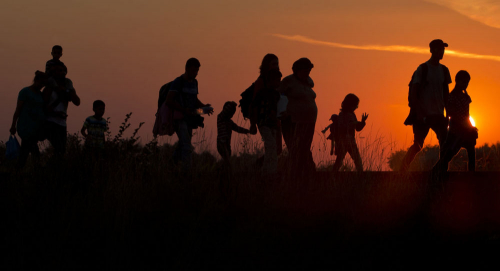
<point x="57" y="95"/>
<point x="56" y="53"/>
<point x="461" y="133"/>
<point x="299" y="121"/>
<point x="346" y="141"/>
<point x="95" y="127"/>
<point x="183" y="97"/>
<point x="427" y="96"/>
<point x="225" y="128"/>
<point x="264" y="116"/>
<point x="29" y="118"/>
<point x="269" y="62"/>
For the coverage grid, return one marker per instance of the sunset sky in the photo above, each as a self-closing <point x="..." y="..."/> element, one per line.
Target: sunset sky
<point x="123" y="51"/>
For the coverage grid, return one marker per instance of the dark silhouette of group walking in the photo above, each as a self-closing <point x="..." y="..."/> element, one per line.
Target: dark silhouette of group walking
<point x="278" y="108"/>
<point x="42" y="111"/>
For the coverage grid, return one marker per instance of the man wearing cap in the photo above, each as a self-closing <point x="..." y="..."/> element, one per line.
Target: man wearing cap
<point x="300" y="117"/>
<point x="428" y="93"/>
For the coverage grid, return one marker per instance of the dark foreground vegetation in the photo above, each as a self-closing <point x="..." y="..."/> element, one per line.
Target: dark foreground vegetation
<point x="132" y="209"/>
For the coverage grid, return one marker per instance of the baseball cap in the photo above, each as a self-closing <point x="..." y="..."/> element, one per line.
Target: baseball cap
<point x="438" y="44"/>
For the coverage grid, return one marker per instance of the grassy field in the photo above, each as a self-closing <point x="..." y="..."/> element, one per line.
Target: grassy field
<point x="133" y="209"/>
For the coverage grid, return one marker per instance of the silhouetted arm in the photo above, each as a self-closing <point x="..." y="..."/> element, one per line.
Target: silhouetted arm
<point x="72" y="92"/>
<point x="416" y="87"/>
<point x="239" y="129"/>
<point x="16" y="116"/>
<point x="200" y="105"/>
<point x="361" y="124"/>
<point x="83" y="131"/>
<point x="446" y="94"/>
<point x="73" y="97"/>
<point x="254" y="113"/>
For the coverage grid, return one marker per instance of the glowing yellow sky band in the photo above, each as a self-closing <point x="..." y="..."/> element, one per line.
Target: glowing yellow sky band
<point x="388" y="48"/>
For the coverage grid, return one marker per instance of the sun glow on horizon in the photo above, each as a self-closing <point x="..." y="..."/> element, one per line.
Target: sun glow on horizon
<point x="472" y="121"/>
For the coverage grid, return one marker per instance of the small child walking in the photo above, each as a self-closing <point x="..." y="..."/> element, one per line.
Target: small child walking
<point x="461" y="133"/>
<point x="345" y="142"/>
<point x="225" y="128"/>
<point x="95" y="126"/>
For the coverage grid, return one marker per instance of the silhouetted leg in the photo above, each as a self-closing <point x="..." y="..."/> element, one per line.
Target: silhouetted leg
<point x="268" y="134"/>
<point x="279" y="142"/>
<point x="184" y="148"/>
<point x="57" y="136"/>
<point x="448" y="155"/>
<point x="340" y="158"/>
<point x="409" y="156"/>
<point x="303" y="159"/>
<point x="420" y="132"/>
<point x="356" y="157"/>
<point x="28" y="146"/>
<point x="471" y="153"/>
<point x="224" y="149"/>
<point x="287" y="129"/>
<point x="440" y="127"/>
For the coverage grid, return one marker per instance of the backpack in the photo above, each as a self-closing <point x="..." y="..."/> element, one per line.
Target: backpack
<point x="246" y="101"/>
<point x="165" y="116"/>
<point x="162" y="97"/>
<point x="412" y="116"/>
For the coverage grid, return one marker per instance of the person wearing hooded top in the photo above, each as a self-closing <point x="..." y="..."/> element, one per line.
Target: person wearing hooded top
<point x="299" y="119"/>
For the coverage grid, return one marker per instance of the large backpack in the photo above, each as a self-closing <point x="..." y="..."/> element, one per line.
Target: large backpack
<point x="163" y="94"/>
<point x="412" y="116"/>
<point x="246" y="101"/>
<point x="165" y="116"/>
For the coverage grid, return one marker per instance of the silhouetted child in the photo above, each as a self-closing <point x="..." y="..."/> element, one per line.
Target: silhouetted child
<point x="225" y="128"/>
<point x="95" y="126"/>
<point x="56" y="55"/>
<point x="264" y="116"/>
<point x="345" y="140"/>
<point x="461" y="133"/>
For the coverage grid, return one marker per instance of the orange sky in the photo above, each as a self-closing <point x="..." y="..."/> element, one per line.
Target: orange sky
<point x="122" y="52"/>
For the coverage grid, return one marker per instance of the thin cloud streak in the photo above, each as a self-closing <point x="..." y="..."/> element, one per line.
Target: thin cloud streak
<point x="483" y="11"/>
<point x="387" y="48"/>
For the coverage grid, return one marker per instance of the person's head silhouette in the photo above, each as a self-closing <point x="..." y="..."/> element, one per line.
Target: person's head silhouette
<point x="302" y="68"/>
<point x="99" y="107"/>
<point x="269" y="62"/>
<point x="437" y="48"/>
<point x="350" y="103"/>
<point x="462" y="80"/>
<point x="229" y="109"/>
<point x="192" y="68"/>
<point x="56" y="52"/>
